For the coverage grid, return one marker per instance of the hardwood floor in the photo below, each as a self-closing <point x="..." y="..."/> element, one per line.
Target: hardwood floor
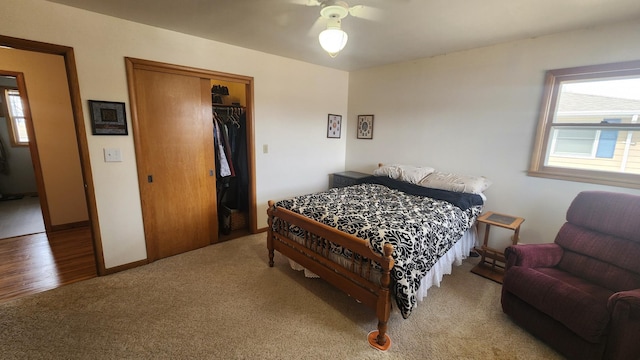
<point x="34" y="263"/>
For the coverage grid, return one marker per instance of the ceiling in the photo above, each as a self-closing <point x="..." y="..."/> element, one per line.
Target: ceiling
<point x="403" y="30"/>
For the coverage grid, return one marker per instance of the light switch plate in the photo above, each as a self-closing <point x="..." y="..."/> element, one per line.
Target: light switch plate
<point x="112" y="155"/>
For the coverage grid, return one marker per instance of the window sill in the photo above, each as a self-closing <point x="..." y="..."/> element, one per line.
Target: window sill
<point x="618" y="180"/>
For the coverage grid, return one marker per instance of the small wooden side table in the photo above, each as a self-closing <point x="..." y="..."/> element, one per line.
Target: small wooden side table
<point x="492" y="262"/>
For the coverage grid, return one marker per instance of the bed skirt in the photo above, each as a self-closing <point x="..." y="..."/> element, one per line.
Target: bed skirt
<point x="442" y="267"/>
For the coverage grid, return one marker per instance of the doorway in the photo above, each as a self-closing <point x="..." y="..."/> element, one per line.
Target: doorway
<point x="40" y="121"/>
<point x="58" y="224"/>
<point x="20" y="208"/>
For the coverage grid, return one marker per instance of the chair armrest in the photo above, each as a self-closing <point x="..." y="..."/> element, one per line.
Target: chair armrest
<point x="624" y="307"/>
<point x="631" y="300"/>
<point x="533" y="255"/>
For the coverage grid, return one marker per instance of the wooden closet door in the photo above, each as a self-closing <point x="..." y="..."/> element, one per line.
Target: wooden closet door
<point x="176" y="166"/>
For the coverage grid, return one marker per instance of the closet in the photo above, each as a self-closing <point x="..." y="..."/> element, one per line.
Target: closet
<point x="183" y="195"/>
<point x="230" y="145"/>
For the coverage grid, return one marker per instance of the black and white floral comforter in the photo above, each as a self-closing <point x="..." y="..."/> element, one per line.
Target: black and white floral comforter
<point x="382" y="210"/>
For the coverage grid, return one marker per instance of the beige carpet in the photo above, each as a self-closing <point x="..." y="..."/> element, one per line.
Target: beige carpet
<point x="20" y="217"/>
<point x="224" y="302"/>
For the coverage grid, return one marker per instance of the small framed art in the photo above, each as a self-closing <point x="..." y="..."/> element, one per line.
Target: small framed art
<point x="334" y="125"/>
<point x="108" y="118"/>
<point x="365" y="126"/>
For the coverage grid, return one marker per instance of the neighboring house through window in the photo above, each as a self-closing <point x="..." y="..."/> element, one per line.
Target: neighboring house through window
<point x="607" y="140"/>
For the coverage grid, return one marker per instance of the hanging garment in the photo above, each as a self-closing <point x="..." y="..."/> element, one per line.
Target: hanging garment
<point x="242" y="164"/>
<point x="227" y="147"/>
<point x="224" y="169"/>
<point x="231" y="155"/>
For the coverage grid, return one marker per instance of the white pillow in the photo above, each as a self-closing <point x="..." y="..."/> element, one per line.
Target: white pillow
<point x="407" y="173"/>
<point x="455" y="182"/>
<point x="392" y="171"/>
<point x="414" y="174"/>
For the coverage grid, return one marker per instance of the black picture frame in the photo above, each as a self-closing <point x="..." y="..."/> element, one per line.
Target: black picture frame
<point x="365" y="127"/>
<point x="108" y="118"/>
<point x="334" y="126"/>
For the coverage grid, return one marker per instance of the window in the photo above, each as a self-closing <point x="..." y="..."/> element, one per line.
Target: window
<point x="16" y="118"/>
<point x="588" y="129"/>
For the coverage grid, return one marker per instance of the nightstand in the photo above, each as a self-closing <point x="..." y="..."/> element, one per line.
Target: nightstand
<point x="492" y="262"/>
<point x="346" y="178"/>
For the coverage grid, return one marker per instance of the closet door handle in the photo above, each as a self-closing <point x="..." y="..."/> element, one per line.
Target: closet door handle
<point x="210" y="172"/>
<point x="149" y="178"/>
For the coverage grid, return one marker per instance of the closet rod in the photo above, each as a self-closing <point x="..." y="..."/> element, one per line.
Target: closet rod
<point x="224" y="107"/>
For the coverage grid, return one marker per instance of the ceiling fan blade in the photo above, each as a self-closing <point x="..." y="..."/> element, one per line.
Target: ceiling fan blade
<point x="319" y="25"/>
<point x="306" y="2"/>
<point x="365" y="12"/>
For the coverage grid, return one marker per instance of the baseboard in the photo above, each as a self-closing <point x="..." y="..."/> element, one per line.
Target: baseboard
<point x="70" y="225"/>
<point x="24" y="194"/>
<point x="124" y="267"/>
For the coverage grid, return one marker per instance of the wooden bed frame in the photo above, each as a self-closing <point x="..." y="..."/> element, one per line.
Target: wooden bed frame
<point x="314" y="255"/>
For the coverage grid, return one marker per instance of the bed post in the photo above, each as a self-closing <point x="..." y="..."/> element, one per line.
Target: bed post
<point x="270" y="211"/>
<point x="379" y="339"/>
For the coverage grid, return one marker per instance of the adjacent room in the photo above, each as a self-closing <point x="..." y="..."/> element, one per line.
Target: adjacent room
<point x="178" y="162"/>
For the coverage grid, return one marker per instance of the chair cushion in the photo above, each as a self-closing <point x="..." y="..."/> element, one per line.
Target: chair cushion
<point x="608" y="213"/>
<point x="576" y="303"/>
<point x="619" y="252"/>
<point x="605" y="274"/>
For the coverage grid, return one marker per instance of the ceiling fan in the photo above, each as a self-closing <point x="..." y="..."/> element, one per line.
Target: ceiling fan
<point x="333" y="39"/>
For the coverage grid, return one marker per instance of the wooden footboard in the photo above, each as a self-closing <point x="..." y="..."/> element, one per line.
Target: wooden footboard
<point x="353" y="276"/>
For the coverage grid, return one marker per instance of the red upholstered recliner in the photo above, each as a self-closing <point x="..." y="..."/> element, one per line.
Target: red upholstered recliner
<point x="581" y="293"/>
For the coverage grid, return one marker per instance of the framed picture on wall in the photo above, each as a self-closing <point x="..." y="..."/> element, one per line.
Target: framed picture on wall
<point x="334" y="126"/>
<point x="108" y="118"/>
<point x="365" y="127"/>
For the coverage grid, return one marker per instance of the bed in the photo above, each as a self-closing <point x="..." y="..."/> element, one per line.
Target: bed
<point x="379" y="240"/>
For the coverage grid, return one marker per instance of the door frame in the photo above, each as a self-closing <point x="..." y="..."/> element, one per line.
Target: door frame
<point x="133" y="64"/>
<point x="67" y="54"/>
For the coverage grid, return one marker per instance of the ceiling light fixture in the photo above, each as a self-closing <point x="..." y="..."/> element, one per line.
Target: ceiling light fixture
<point x="333" y="39"/>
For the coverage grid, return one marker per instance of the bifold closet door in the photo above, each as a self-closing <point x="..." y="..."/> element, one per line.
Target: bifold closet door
<point x="176" y="166"/>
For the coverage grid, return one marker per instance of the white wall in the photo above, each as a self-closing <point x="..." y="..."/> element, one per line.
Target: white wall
<point x="292" y="100"/>
<point x="475" y="112"/>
